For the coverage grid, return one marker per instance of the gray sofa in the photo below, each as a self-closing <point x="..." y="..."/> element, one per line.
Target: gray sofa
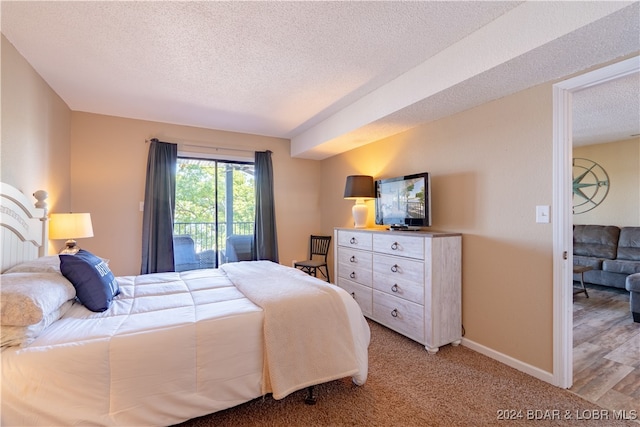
<point x="633" y="286"/>
<point x="613" y="253"/>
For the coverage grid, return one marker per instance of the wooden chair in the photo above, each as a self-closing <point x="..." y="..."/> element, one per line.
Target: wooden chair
<point x="317" y="262"/>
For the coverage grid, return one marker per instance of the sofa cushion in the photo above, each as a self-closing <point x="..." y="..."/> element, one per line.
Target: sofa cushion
<point x="629" y="244"/>
<point x="600" y="241"/>
<point x="621" y="266"/>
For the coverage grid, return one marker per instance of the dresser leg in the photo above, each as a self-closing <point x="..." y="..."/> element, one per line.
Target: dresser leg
<point x="432" y="350"/>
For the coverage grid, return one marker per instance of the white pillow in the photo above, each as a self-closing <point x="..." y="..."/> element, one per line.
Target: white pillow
<point x="45" y="264"/>
<point x="27" y="298"/>
<point x="11" y="336"/>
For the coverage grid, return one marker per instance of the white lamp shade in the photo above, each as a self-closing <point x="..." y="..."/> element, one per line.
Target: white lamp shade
<point x="70" y="226"/>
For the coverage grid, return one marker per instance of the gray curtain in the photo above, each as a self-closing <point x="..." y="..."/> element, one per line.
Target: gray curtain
<point x="159" y="205"/>
<point x="266" y="239"/>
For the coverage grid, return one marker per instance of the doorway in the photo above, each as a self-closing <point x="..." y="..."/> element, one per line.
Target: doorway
<point x="562" y="211"/>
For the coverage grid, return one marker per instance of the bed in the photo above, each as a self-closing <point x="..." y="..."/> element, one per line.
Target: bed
<point x="170" y="346"/>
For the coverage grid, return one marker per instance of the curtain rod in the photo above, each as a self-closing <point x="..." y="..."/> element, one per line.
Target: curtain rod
<point x="182" y="144"/>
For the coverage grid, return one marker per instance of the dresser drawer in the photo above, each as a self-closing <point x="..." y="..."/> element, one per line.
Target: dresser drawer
<point x="355" y="274"/>
<point x="406" y="274"/>
<point x="403" y="287"/>
<point x="355" y="239"/>
<point x="354" y="258"/>
<point x="400" y="315"/>
<point x="362" y="294"/>
<point x="355" y="265"/>
<point x="399" y="244"/>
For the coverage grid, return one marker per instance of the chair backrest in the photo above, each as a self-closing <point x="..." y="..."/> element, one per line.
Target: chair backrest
<point x="239" y="248"/>
<point x="319" y="245"/>
<point x="184" y="253"/>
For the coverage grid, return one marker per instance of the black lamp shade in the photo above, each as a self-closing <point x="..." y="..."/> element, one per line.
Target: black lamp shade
<point x="359" y="187"/>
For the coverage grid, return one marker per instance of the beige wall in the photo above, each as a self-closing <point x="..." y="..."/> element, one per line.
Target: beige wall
<point x="490" y="167"/>
<point x="108" y="166"/>
<point x="621" y="161"/>
<point x="36" y="126"/>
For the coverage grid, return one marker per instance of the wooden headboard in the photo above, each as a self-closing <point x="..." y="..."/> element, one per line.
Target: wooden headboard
<point x="23" y="226"/>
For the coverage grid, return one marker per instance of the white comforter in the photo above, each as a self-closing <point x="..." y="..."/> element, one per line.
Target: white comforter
<point x="172" y="346"/>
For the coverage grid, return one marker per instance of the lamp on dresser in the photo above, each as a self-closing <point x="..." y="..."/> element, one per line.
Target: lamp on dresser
<point x="360" y="188"/>
<point x="70" y="226"/>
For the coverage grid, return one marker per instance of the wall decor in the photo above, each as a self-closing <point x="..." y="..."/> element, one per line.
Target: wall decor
<point x="590" y="185"/>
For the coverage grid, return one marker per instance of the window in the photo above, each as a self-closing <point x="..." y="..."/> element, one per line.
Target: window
<point x="215" y="213"/>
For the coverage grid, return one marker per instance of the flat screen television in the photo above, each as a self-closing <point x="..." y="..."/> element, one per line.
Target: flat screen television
<point x="404" y="201"/>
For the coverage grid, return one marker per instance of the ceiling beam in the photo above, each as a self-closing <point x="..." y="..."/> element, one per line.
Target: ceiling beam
<point x="390" y="109"/>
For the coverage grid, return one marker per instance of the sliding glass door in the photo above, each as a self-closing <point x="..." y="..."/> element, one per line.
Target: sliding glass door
<point x="215" y="213"/>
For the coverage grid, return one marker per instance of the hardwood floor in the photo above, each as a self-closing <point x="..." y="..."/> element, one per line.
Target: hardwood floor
<point x="606" y="349"/>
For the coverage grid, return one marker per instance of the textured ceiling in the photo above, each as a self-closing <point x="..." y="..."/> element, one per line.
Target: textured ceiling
<point x="286" y="69"/>
<point x="607" y="112"/>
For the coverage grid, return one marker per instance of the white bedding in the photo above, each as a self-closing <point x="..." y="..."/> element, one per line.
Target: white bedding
<point x="171" y="347"/>
<point x="302" y="316"/>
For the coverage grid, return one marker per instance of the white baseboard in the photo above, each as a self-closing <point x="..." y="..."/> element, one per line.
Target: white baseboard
<point x="509" y="361"/>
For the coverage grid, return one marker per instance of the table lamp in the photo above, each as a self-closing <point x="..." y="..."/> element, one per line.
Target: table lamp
<point x="70" y="226"/>
<point x="359" y="187"/>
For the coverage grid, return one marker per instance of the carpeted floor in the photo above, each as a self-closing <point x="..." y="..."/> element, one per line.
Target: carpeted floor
<point x="409" y="387"/>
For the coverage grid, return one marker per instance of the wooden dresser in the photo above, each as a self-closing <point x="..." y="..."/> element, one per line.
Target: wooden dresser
<point x="409" y="281"/>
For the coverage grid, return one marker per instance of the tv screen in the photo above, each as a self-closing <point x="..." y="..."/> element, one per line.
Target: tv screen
<point x="404" y="200"/>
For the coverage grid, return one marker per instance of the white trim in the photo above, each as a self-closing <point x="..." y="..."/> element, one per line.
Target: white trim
<point x="562" y="242"/>
<point x="601" y="75"/>
<point x="509" y="361"/>
<point x="562" y="212"/>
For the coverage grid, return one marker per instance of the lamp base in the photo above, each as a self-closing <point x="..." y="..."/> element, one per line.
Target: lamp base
<point x="70" y="248"/>
<point x="360" y="212"/>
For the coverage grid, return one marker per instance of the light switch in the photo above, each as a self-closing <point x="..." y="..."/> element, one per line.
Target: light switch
<point x="141" y="206"/>
<point x="542" y="214"/>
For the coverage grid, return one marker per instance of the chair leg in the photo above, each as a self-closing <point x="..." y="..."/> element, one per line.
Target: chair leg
<point x="326" y="270"/>
<point x="313" y="271"/>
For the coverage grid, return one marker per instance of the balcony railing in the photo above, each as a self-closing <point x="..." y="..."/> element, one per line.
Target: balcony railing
<point x="204" y="233"/>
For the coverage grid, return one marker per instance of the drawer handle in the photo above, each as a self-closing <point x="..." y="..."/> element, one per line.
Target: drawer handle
<point x="394" y="313"/>
<point x="353" y="241"/>
<point x="353" y="258"/>
<point x="394" y="268"/>
<point x="395" y="246"/>
<point x="394" y="288"/>
<point x="353" y="275"/>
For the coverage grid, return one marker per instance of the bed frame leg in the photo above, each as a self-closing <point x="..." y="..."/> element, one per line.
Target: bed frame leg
<point x="311" y="398"/>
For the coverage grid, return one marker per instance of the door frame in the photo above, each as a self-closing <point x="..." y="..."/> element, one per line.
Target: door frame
<point x="562" y="210"/>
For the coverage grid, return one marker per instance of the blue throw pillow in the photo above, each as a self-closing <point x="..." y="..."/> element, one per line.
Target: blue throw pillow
<point x="94" y="282"/>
